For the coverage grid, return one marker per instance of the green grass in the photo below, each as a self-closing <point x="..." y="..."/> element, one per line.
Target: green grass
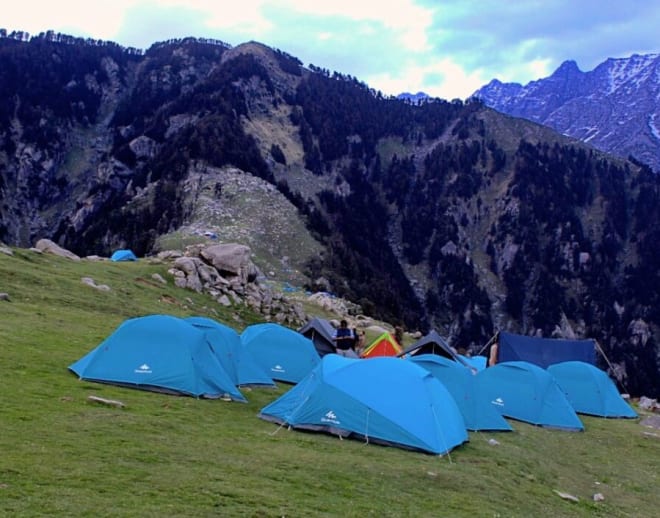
<point x="175" y="456"/>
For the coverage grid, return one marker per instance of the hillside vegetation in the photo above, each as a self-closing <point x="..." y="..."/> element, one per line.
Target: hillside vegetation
<point x="177" y="456"/>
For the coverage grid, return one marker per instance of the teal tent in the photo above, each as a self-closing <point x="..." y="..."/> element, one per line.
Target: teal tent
<point x="284" y="354"/>
<point x="478" y="413"/>
<point x="123" y="255"/>
<point x="590" y="390"/>
<point x="160" y="353"/>
<point x="382" y="400"/>
<point x="242" y="368"/>
<point x="526" y="392"/>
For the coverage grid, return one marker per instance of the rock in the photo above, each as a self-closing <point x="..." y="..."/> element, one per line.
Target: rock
<point x="651" y="422"/>
<point x="158" y="277"/>
<point x="493" y="442"/>
<point x="646" y="403"/>
<point x="5" y="250"/>
<point x="598" y="497"/>
<point x="566" y="496"/>
<point x="232" y="258"/>
<point x="47" y="246"/>
<point x="4" y="296"/>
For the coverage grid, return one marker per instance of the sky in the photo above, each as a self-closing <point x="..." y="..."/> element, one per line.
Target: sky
<point x="445" y="48"/>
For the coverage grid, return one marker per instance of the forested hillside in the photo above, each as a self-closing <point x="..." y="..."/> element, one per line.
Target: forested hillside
<point x="440" y="214"/>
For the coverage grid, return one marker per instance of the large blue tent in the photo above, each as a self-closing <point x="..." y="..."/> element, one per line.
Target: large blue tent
<point x="590" y="390"/>
<point x="242" y="368"/>
<point x="284" y="354"/>
<point x="543" y="351"/>
<point x="160" y="353"/>
<point x="383" y="400"/>
<point x="524" y="391"/>
<point x="478" y="412"/>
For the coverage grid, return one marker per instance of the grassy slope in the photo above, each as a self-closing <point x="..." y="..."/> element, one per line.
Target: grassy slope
<point x="177" y="456"/>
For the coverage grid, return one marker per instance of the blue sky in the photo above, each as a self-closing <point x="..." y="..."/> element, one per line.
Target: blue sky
<point x="447" y="48"/>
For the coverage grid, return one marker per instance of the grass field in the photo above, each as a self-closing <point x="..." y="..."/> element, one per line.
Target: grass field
<point x="167" y="456"/>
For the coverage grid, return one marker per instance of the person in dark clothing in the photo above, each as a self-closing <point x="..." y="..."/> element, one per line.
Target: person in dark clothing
<point x="344" y="341"/>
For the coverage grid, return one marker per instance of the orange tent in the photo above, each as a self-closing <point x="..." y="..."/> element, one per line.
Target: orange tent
<point x="384" y="345"/>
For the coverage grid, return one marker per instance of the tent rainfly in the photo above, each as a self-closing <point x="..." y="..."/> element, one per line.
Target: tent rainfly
<point x="284" y="354"/>
<point x="351" y="397"/>
<point x="590" y="390"/>
<point x="543" y="351"/>
<point x="526" y="392"/>
<point x="321" y="332"/>
<point x="384" y="345"/>
<point x="161" y="353"/>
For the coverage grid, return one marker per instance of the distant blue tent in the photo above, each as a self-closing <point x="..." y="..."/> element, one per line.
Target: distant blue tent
<point x="284" y="354"/>
<point x="590" y="390"/>
<point x="478" y="413"/>
<point x="383" y="400"/>
<point x="160" y="353"/>
<point x="242" y="368"/>
<point x="526" y="392"/>
<point x="123" y="255"/>
<point x="543" y="351"/>
<point x="321" y="332"/>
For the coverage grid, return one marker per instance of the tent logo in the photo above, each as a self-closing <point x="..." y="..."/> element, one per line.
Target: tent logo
<point x="143" y="369"/>
<point x="278" y="368"/>
<point x="330" y="417"/>
<point x="498" y="401"/>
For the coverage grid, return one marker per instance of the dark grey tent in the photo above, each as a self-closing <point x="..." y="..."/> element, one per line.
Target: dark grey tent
<point x="432" y="343"/>
<point x="321" y="332"/>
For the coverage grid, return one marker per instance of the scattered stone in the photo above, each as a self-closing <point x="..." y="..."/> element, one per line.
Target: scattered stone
<point x="5" y="297"/>
<point x="652" y="421"/>
<point x="107" y="402"/>
<point x="493" y="442"/>
<point x="6" y="251"/>
<point x="646" y="403"/>
<point x="598" y="497"/>
<point x="158" y="277"/>
<point x="431" y="474"/>
<point x="566" y="496"/>
<point x="90" y="282"/>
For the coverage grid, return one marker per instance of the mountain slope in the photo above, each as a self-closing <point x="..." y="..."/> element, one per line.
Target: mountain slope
<point x="613" y="107"/>
<point x="445" y="214"/>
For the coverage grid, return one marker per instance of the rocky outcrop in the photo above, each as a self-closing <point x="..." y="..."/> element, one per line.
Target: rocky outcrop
<point x="226" y="272"/>
<point x="48" y="247"/>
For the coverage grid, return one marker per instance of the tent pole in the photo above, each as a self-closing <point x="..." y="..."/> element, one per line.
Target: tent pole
<point x="607" y="360"/>
<point x="492" y="339"/>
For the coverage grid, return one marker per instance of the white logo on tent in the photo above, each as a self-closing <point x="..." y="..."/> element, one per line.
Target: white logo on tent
<point x="330" y="417"/>
<point x="143" y="369"/>
<point x="498" y="401"/>
<point x="278" y="368"/>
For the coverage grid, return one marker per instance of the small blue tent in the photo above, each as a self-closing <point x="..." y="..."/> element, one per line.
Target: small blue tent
<point x="478" y="413"/>
<point x="160" y="353"/>
<point x="321" y="332"/>
<point x="526" y="392"/>
<point x="284" y="354"/>
<point x="383" y="400"/>
<point x="242" y="368"/>
<point x="543" y="351"/>
<point x="590" y="390"/>
<point x="123" y="255"/>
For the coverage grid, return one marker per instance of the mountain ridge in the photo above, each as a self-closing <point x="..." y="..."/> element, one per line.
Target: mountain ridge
<point x="442" y="214"/>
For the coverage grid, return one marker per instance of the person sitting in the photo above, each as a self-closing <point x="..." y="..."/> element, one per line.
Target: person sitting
<point x="344" y="341"/>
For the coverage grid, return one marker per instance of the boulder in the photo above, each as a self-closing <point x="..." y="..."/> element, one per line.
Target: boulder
<point x="47" y="246"/>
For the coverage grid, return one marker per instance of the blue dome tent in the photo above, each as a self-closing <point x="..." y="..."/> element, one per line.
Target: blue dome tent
<point x="242" y="368"/>
<point x="383" y="400"/>
<point x="478" y="413"/>
<point x="284" y="354"/>
<point x="526" y="392"/>
<point x="123" y="255"/>
<point x="590" y="390"/>
<point x="160" y="353"/>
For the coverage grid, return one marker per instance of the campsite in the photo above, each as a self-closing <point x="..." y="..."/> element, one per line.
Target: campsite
<point x="165" y="455"/>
